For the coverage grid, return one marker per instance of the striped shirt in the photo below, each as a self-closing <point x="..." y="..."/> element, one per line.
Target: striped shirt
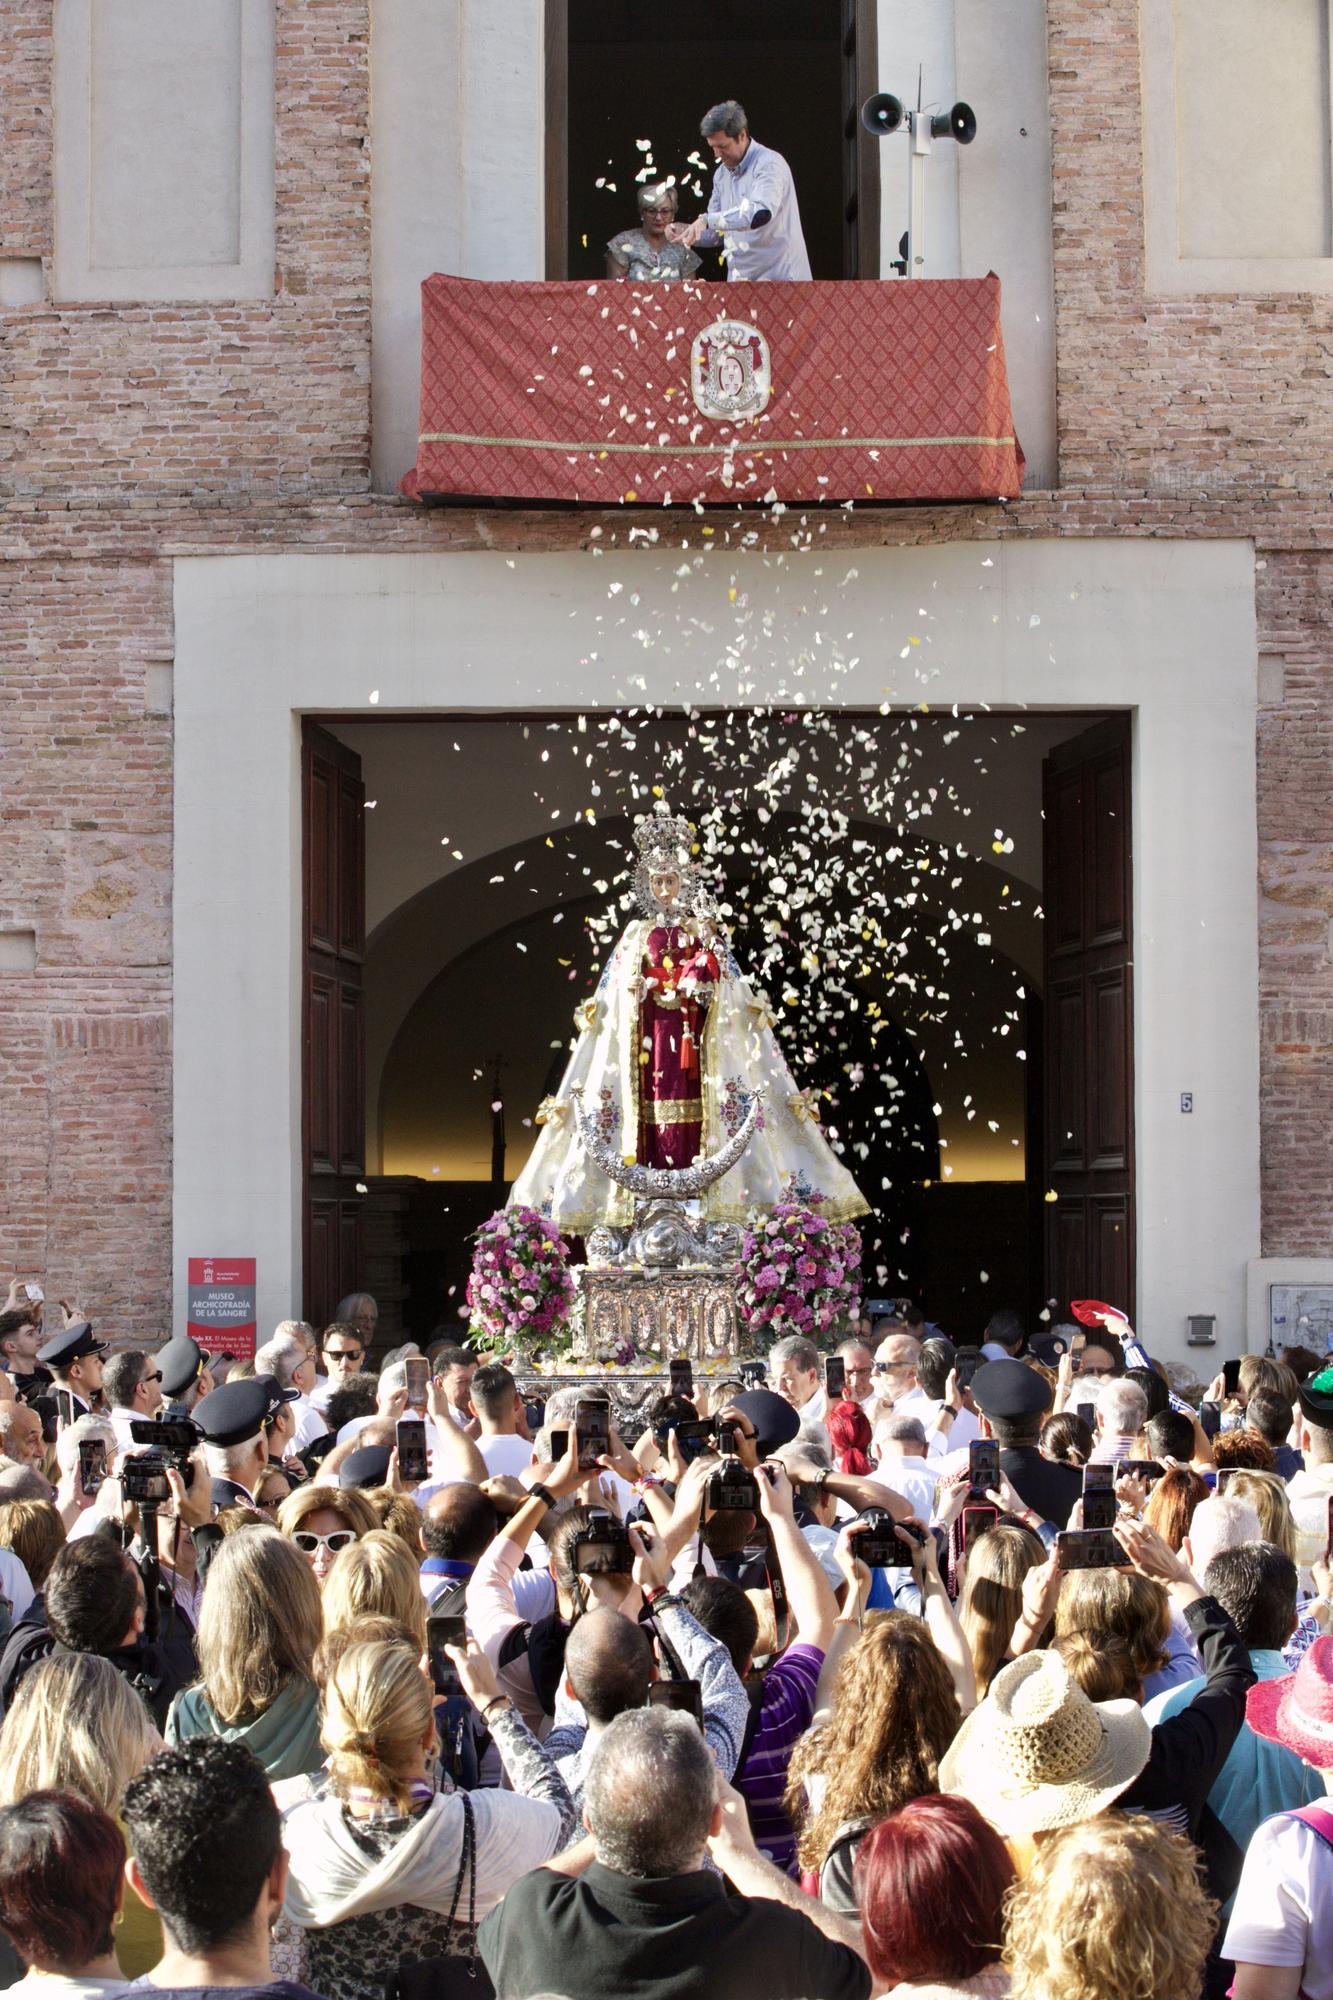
<point x="786" y="1711"/>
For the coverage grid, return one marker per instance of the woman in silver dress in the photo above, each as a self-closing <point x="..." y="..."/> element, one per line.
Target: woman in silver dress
<point x="644" y="253"/>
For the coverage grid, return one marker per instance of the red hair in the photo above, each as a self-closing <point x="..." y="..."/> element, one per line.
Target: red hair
<point x="849" y="1434"/>
<point x="930" y="1884"/>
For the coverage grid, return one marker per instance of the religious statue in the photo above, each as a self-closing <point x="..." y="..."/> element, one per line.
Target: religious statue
<point x="676" y="1086"/>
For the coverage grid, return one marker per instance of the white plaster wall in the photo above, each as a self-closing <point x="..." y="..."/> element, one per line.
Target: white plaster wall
<point x="1164" y="628"/>
<point x="457" y="121"/>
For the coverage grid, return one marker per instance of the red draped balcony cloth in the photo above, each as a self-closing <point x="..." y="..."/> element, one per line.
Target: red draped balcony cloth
<point x="607" y="393"/>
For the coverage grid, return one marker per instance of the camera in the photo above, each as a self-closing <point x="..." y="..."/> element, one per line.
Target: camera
<point x="694" y="1435"/>
<point x="603" y="1548"/>
<point x="143" y="1478"/>
<point x="170" y="1440"/>
<point x="173" y="1438"/>
<point x="732" y="1488"/>
<point x="877" y="1546"/>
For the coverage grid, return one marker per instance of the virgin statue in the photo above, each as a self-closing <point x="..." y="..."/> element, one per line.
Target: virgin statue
<point x="671" y="1052"/>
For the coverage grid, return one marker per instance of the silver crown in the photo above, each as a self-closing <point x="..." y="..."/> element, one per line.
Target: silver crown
<point x="664" y="841"/>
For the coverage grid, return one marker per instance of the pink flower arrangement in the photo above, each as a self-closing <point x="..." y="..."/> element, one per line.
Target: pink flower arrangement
<point x="520" y="1287"/>
<point x="799" y="1272"/>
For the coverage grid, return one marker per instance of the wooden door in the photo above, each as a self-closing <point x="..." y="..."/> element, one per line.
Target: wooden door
<point x="1089" y="1019"/>
<point x="860" y="149"/>
<point x="332" y="1027"/>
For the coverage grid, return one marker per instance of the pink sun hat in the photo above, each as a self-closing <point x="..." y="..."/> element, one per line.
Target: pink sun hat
<point x="1298" y="1710"/>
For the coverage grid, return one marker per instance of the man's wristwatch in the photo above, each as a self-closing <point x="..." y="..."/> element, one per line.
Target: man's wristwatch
<point x="542" y="1493"/>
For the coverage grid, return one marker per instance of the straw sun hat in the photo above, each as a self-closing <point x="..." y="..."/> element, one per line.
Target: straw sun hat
<point x="1036" y="1753"/>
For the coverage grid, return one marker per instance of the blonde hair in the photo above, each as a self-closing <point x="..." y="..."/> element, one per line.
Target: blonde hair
<point x="35" y="1532"/>
<point x="992" y="1596"/>
<point x="399" y="1514"/>
<point x="350" y="1505"/>
<point x="374" y="1716"/>
<point x="1267" y="1495"/>
<point x="1101" y="1611"/>
<point x="75" y="1725"/>
<point x="376" y="1575"/>
<point x="260" y="1623"/>
<point x="1111" y="1909"/>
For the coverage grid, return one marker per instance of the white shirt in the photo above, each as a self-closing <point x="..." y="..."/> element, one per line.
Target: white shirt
<point x="1283" y="1912"/>
<point x="310" y="1423"/>
<point x="354" y="1426"/>
<point x="506" y="1457"/>
<point x="1309" y="1492"/>
<point x="915" y="1479"/>
<point x="15" y="1584"/>
<point x="761" y="179"/>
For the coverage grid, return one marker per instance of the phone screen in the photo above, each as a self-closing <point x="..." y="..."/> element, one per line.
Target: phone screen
<point x="1231" y="1376"/>
<point x="978" y="1517"/>
<point x="1088" y="1413"/>
<point x="445" y="1629"/>
<point x="418" y="1380"/>
<point x="1099" y="1479"/>
<point x="1076" y="1347"/>
<point x="92" y="1464"/>
<point x="686" y="1696"/>
<point x="682" y="1376"/>
<point x="983" y="1465"/>
<point x="835" y="1377"/>
<point x="559" y="1445"/>
<point x="410" y="1433"/>
<point x="592" y="1421"/>
<point x="1099" y="1507"/>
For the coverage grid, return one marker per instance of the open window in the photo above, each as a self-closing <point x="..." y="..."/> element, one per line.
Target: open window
<point x="618" y="72"/>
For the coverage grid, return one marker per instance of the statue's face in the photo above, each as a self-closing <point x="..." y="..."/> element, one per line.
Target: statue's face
<point x="665" y="885"/>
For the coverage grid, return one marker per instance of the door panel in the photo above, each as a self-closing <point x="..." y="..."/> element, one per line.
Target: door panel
<point x="333" y="1037"/>
<point x="1088" y="1056"/>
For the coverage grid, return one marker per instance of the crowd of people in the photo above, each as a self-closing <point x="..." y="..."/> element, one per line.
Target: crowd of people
<point x="913" y="1667"/>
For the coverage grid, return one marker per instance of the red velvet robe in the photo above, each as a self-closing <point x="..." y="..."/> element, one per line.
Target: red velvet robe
<point x="677" y="973"/>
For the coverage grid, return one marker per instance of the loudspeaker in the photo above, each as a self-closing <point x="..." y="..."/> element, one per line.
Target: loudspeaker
<point x="883" y="113"/>
<point x="959" y="123"/>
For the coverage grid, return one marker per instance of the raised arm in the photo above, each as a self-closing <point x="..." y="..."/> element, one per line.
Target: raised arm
<point x="809" y="1593"/>
<point x="458" y="1454"/>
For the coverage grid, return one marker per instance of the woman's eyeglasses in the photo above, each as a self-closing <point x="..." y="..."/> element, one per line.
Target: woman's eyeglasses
<point x="307" y="1541"/>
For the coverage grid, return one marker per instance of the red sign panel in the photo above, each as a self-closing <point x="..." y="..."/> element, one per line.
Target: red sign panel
<point x="221" y="1313"/>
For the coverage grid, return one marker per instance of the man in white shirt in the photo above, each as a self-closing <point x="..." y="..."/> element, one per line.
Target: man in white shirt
<point x="344" y="1351"/>
<point x="132" y="1391"/>
<point x="495" y="1399"/>
<point x="859" y="1363"/>
<point x="905" y="1465"/>
<point x="752" y="210"/>
<point x="286" y="1356"/>
<point x="454" y="1368"/>
<point x="1311" y="1490"/>
<point x="793" y="1370"/>
<point x="1122" y="1411"/>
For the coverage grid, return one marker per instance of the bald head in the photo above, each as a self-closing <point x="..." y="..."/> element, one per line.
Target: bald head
<point x="608" y="1664"/>
<point x="459" y="1524"/>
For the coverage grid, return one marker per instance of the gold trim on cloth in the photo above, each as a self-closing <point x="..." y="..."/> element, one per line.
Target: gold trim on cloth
<point x="756" y="443"/>
<point x="674" y="1111"/>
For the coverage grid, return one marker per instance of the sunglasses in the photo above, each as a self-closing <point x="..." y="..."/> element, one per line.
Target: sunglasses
<point x="155" y="1377"/>
<point x="307" y="1542"/>
<point x="343" y="1353"/>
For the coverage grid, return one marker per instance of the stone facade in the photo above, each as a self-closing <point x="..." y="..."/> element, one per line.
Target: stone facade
<point x="133" y="434"/>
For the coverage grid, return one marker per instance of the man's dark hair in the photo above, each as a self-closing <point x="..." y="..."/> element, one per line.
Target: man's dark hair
<point x="1302" y="1361"/>
<point x="451" y="1355"/>
<point x="91" y="1596"/>
<point x="726" y="1613"/>
<point x="122" y="1375"/>
<point x="343" y="1327"/>
<point x="205" y="1833"/>
<point x="932" y="1370"/>
<point x="1269" y="1415"/>
<point x="1255" y="1584"/>
<point x="14" y="1322"/>
<point x="728" y="1531"/>
<point x="1006" y="1329"/>
<point x="1153" y="1387"/>
<point x="493" y="1389"/>
<point x="61" y="1864"/>
<point x="609" y="1663"/>
<point x="459" y="1524"/>
<point x="356" y="1398"/>
<point x="728" y="117"/>
<point x="1171" y="1435"/>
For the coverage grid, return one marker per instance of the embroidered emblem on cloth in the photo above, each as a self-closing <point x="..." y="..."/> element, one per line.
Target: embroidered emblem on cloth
<point x="730" y="371"/>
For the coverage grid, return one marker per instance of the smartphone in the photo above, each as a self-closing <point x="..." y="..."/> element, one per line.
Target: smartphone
<point x="965" y="1365"/>
<point x="445" y="1628"/>
<point x="686" y="1696"/>
<point x="1231" y="1376"/>
<point x="1088" y="1413"/>
<point x="35" y="1294"/>
<point x="1089" y="1548"/>
<point x="418" y="1380"/>
<point x="559" y="1445"/>
<point x="978" y="1517"/>
<point x="1099" y="1479"/>
<point x="92" y="1464"/>
<point x="1146" y="1469"/>
<point x="1076" y="1347"/>
<point x="681" y="1377"/>
<point x="592" y="1421"/>
<point x="835" y="1377"/>
<point x="1224" y="1476"/>
<point x="410" y="1435"/>
<point x="1099" y="1507"/>
<point x="754" y="1374"/>
<point x="695" y="1437"/>
<point x="983" y="1465"/>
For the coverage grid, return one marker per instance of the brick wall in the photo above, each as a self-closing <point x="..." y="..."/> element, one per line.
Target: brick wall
<point x="133" y="434"/>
